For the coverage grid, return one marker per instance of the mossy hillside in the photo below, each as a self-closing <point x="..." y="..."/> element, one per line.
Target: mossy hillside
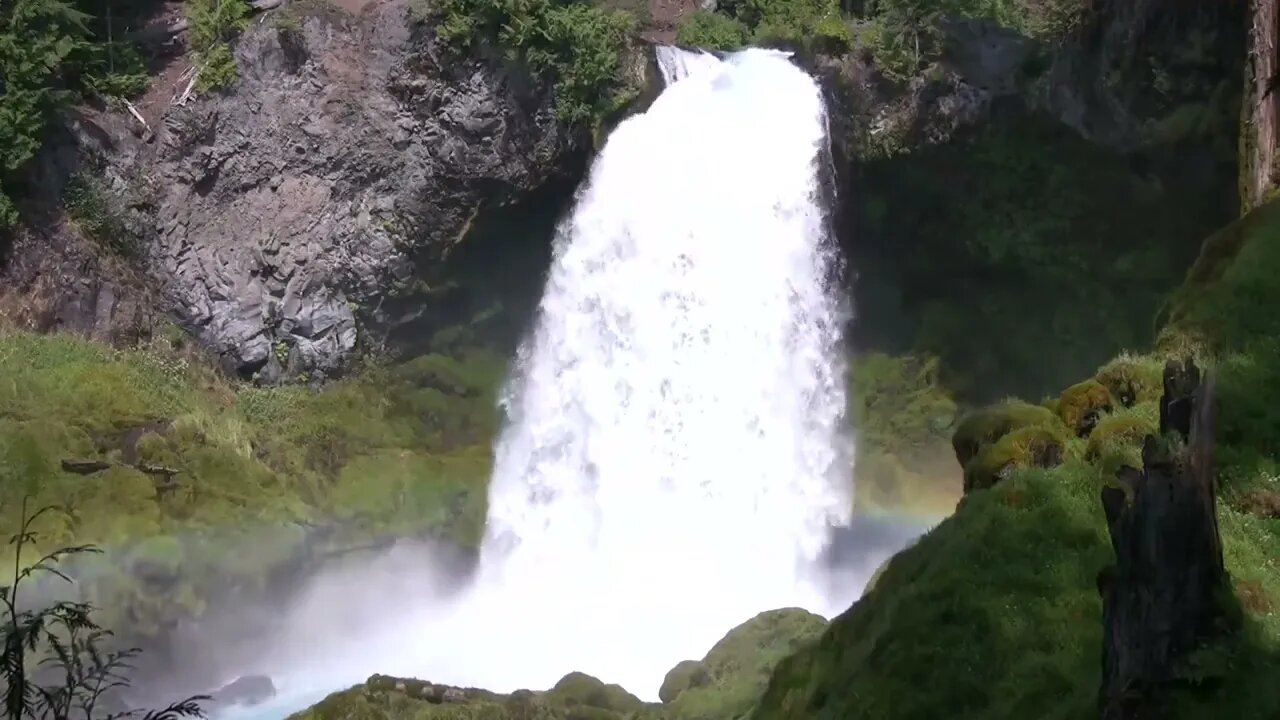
<point x="903" y="417"/>
<point x="1049" y="228"/>
<point x="726" y="683"/>
<point x="265" y="477"/>
<point x="1002" y="594"/>
<point x="993" y="614"/>
<point x="1224" y="314"/>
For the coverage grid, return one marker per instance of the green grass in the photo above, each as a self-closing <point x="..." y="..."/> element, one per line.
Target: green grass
<point x="395" y="450"/>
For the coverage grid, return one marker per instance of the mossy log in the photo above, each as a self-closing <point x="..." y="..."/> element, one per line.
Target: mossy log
<point x="1162" y="598"/>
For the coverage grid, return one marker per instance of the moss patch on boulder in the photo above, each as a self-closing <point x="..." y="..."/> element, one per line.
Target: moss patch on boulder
<point x="726" y="683"/>
<point x="1040" y="446"/>
<point x="1080" y="405"/>
<point x="986" y="425"/>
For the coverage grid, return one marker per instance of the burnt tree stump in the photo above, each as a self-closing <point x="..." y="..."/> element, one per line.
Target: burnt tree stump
<point x="1161" y="599"/>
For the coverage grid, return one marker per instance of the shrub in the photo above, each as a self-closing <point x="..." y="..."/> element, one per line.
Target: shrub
<point x="214" y="24"/>
<point x="574" y="45"/>
<point x="712" y="30"/>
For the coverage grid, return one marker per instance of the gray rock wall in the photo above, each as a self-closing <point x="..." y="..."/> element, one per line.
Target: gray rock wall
<point x="284" y="210"/>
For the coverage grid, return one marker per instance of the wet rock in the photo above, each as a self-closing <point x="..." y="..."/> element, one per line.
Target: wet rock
<point x="247" y="690"/>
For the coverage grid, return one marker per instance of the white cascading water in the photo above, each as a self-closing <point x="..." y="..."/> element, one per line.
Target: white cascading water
<point x="675" y="454"/>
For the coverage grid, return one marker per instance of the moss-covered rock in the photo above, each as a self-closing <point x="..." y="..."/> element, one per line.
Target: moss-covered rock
<point x="984" y="426"/>
<point x="579" y="690"/>
<point x="727" y="682"/>
<point x="1033" y="446"/>
<point x="1132" y="379"/>
<point x="577" y="696"/>
<point x="1080" y="405"/>
<point x="1117" y="438"/>
<point x="686" y="675"/>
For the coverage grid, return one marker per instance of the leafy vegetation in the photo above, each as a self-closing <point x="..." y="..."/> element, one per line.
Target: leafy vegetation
<point x="811" y="24"/>
<point x="572" y="43"/>
<point x="196" y="470"/>
<point x="1002" y="594"/>
<point x="55" y="661"/>
<point x="53" y="52"/>
<point x="214" y="24"/>
<point x="96" y="213"/>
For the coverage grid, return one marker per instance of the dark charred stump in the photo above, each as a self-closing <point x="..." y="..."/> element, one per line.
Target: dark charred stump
<point x="1161" y="599"/>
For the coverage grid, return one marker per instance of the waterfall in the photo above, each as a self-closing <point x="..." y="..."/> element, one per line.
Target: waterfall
<point x="674" y="455"/>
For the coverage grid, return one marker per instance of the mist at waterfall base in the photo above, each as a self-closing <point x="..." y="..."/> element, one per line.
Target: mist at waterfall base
<point x="675" y="458"/>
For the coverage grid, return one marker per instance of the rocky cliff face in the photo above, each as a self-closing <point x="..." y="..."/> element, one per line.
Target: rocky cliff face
<point x="280" y="215"/>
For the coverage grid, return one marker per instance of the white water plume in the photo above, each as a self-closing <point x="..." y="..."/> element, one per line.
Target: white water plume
<point x="674" y="456"/>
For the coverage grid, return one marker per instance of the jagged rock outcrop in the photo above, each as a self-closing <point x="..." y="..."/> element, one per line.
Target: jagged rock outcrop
<point x="279" y="215"/>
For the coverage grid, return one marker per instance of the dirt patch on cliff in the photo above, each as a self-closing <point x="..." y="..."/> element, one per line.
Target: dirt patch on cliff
<point x="664" y="17"/>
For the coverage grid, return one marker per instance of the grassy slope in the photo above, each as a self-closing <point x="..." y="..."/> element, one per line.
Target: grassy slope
<point x="400" y="450"/>
<point x="995" y="614"/>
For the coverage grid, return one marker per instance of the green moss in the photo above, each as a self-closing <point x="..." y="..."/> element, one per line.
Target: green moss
<point x="734" y="672"/>
<point x="364" y="459"/>
<point x="984" y="426"/>
<point x="576" y="697"/>
<point x="1133" y="379"/>
<point x="1001" y="595"/>
<point x="579" y="690"/>
<point x="1117" y="439"/>
<point x="1033" y="446"/>
<point x="686" y="675"/>
<point x="1080" y="405"/>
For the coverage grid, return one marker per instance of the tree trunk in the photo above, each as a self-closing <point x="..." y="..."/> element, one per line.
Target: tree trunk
<point x="1258" y="116"/>
<point x="1161" y="599"/>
